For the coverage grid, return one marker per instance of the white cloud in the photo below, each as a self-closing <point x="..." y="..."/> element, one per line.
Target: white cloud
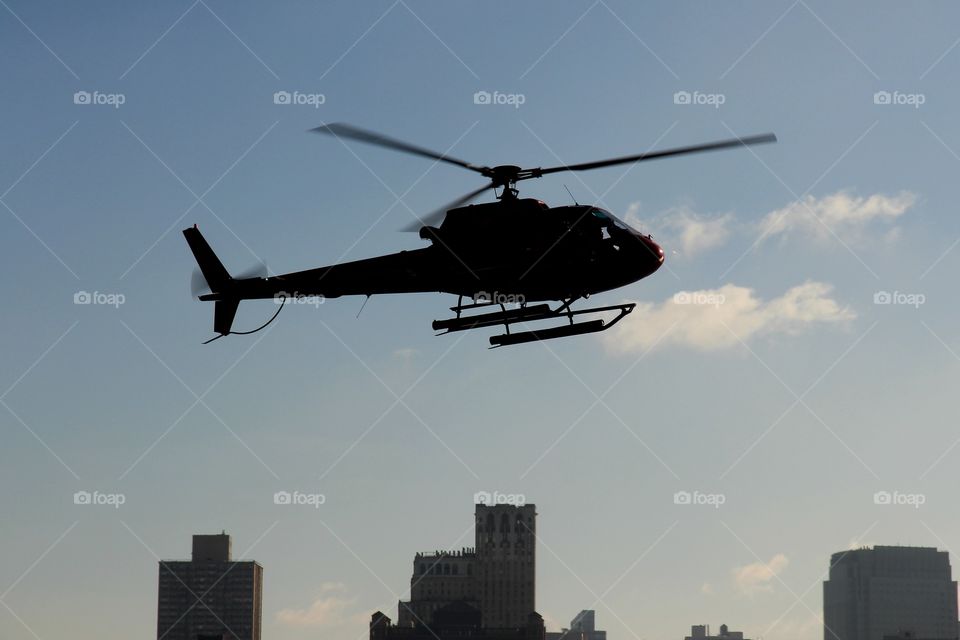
<point x="327" y="610"/>
<point x="843" y="214"/>
<point x="684" y="230"/>
<point x="707" y="589"/>
<point x="714" y="319"/>
<point x="849" y="217"/>
<point x="632" y="216"/>
<point x="693" y="233"/>
<point x="757" y="577"/>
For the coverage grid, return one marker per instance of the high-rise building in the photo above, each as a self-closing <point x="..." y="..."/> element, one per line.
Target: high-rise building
<point x="890" y="591"/>
<point x="506" y="563"/>
<point x="210" y="596"/>
<point x="582" y="627"/>
<point x="497" y="577"/>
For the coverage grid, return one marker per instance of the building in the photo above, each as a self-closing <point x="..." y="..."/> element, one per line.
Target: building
<point x="702" y="632"/>
<point x="890" y="591"/>
<point x="582" y="627"/>
<point x="506" y="563"/>
<point x="456" y="621"/>
<point x="210" y="596"/>
<point x="903" y="635"/>
<point x="439" y="578"/>
<point x="497" y="577"/>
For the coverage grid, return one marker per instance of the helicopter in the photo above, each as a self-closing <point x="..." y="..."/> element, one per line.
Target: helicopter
<point x="505" y="260"/>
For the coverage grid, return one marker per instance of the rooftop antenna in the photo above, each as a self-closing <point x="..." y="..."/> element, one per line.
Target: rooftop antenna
<point x="571" y="196"/>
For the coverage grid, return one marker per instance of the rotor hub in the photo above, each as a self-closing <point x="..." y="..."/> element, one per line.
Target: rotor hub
<point x="504" y="175"/>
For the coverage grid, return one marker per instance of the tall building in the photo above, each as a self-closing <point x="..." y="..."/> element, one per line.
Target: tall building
<point x="506" y="563"/>
<point x="702" y="632"/>
<point x="496" y="578"/>
<point x="582" y="627"/>
<point x="210" y="596"/>
<point x="890" y="591"/>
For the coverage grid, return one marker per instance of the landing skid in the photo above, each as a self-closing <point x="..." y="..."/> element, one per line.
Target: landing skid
<point x="529" y="313"/>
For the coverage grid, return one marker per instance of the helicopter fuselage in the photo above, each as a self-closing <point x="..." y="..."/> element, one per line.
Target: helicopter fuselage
<point x="515" y="250"/>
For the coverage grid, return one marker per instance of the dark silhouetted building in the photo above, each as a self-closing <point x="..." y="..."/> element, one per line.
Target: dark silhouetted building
<point x="211" y="596"/>
<point x="904" y="592"/>
<point x="702" y="632"/>
<point x="456" y="621"/>
<point x="486" y="592"/>
<point x="439" y="578"/>
<point x="506" y="563"/>
<point x="582" y="627"/>
<point x="497" y="577"/>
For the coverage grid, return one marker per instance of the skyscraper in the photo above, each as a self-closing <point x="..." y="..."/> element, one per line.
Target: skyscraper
<point x="497" y="577"/>
<point x="506" y="563"/>
<point x="210" y="596"/>
<point x="889" y="591"/>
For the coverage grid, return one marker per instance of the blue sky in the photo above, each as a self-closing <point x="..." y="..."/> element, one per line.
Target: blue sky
<point x="786" y="388"/>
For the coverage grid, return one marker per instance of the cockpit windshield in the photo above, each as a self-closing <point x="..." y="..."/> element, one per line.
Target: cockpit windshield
<point x="608" y="218"/>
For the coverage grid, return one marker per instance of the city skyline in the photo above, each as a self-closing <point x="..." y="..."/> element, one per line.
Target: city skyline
<point x="783" y="390"/>
<point x="880" y="592"/>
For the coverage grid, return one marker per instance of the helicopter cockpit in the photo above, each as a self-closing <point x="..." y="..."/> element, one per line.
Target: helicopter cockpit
<point x="608" y="220"/>
<point x="613" y="231"/>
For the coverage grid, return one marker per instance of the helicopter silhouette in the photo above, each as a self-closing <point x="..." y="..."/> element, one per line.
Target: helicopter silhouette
<point x="513" y="252"/>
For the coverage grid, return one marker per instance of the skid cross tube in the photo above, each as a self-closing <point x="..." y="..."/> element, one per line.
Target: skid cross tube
<point x="531" y="313"/>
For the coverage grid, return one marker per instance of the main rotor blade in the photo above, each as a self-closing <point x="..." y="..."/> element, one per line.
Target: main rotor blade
<point x="198" y="285"/>
<point x="652" y="155"/>
<point x="435" y="217"/>
<point x="343" y="130"/>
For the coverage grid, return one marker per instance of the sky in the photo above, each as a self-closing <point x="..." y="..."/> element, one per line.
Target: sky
<point x="784" y="390"/>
